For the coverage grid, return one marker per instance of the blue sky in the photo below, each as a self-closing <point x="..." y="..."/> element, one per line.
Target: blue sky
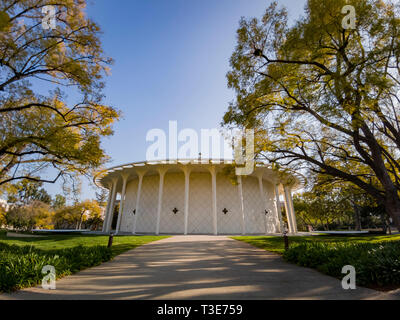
<point x="171" y="58"/>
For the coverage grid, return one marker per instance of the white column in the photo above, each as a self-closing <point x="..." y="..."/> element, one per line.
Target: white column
<point x="278" y="208"/>
<point x="161" y="172"/>
<point x="214" y="198"/>
<point x="122" y="202"/>
<point x="106" y="212"/>
<point x="288" y="209"/>
<point x="137" y="207"/>
<point x="264" y="200"/>
<point x="186" y="170"/>
<point x="292" y="213"/>
<point x="240" y="189"/>
<point x="112" y="205"/>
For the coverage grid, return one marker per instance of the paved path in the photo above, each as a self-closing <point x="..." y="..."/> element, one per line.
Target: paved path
<point x="198" y="267"/>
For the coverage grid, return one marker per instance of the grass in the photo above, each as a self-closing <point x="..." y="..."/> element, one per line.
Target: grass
<point x="54" y="242"/>
<point x="276" y="244"/>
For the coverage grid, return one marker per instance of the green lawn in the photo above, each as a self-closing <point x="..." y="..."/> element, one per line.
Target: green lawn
<point x="276" y="244"/>
<point x="52" y="242"/>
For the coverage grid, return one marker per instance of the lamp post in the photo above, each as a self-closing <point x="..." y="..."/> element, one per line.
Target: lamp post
<point x="285" y="239"/>
<point x="110" y="240"/>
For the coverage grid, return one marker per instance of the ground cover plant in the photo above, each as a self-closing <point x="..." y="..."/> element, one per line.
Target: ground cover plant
<point x="21" y="266"/>
<point x="376" y="264"/>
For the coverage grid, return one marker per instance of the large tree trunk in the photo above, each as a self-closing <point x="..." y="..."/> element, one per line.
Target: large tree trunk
<point x="357" y="217"/>
<point x="79" y="226"/>
<point x="392" y="200"/>
<point x="383" y="220"/>
<point x="393" y="208"/>
<point x="388" y="224"/>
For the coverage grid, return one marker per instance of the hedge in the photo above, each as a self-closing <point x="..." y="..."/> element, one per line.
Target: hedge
<point x="22" y="266"/>
<point x="376" y="264"/>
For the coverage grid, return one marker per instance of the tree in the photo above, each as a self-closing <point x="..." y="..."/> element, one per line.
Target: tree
<point x="94" y="210"/>
<point x="327" y="205"/>
<point x="322" y="209"/>
<point x="86" y="213"/>
<point x="42" y="130"/>
<point x="324" y="205"/>
<point x="59" y="201"/>
<point x="25" y="191"/>
<point x="322" y="98"/>
<point x="101" y="196"/>
<point x="26" y="217"/>
<point x="332" y="206"/>
<point x="2" y="216"/>
<point x="66" y="217"/>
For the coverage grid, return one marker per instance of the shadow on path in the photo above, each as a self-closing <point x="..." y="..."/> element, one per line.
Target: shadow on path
<point x="198" y="267"/>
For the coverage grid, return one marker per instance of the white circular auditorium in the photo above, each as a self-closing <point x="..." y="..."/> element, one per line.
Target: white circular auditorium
<point x="197" y="197"/>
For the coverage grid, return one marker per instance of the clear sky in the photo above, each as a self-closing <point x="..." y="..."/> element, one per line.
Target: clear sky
<point x="171" y="58"/>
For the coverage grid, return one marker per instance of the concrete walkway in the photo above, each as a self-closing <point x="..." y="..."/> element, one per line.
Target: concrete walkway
<point x="198" y="267"/>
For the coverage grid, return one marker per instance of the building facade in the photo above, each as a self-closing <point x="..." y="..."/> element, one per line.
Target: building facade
<point x="196" y="197"/>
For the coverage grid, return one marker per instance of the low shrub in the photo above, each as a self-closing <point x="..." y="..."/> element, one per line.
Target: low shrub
<point x="376" y="264"/>
<point x="22" y="266"/>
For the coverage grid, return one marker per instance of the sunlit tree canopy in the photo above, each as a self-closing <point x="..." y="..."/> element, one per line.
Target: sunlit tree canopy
<point x="322" y="97"/>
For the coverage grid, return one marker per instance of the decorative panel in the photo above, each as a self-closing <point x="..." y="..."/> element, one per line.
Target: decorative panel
<point x="147" y="215"/>
<point x="130" y="205"/>
<point x="272" y="217"/>
<point x="173" y="197"/>
<point x="228" y="198"/>
<point x="200" y="204"/>
<point x="253" y="206"/>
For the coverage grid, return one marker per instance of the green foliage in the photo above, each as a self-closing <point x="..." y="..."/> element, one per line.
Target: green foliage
<point x="375" y="263"/>
<point x="62" y="241"/>
<point x="50" y="130"/>
<point x="85" y="214"/>
<point x="333" y="206"/>
<point x="26" y="191"/>
<point x="3" y="220"/>
<point x="26" y="217"/>
<point x="4" y="21"/>
<point x="21" y="266"/>
<point x="325" y="97"/>
<point x="321" y="209"/>
<point x="59" y="201"/>
<point x="28" y="213"/>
